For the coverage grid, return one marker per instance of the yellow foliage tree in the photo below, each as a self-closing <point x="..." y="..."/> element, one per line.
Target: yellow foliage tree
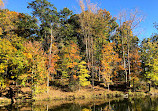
<point x="83" y="74"/>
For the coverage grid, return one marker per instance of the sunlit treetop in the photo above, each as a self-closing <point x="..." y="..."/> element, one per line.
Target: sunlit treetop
<point x="1" y="4"/>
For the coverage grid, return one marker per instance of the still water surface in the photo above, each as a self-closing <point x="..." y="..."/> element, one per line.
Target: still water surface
<point x="132" y="104"/>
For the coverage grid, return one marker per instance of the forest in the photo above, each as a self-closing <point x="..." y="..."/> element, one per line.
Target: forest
<point x="51" y="47"/>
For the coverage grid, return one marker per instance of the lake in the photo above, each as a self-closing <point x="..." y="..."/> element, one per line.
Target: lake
<point x="124" y="104"/>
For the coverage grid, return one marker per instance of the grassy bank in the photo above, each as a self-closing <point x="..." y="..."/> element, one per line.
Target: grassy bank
<point x="90" y="94"/>
<point x="82" y="94"/>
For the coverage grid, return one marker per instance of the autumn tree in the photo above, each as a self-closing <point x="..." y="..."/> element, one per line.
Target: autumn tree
<point x="37" y="72"/>
<point x="104" y="25"/>
<point x="109" y="62"/>
<point x="87" y="20"/>
<point x="7" y="53"/>
<point x="83" y="74"/>
<point x="8" y="21"/>
<point x="47" y="14"/>
<point x="125" y="39"/>
<point x="13" y="61"/>
<point x="54" y="59"/>
<point x="96" y="26"/>
<point x="135" y="60"/>
<point x="76" y="49"/>
<point x="69" y="62"/>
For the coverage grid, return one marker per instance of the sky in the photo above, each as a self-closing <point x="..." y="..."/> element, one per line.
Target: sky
<point x="148" y="8"/>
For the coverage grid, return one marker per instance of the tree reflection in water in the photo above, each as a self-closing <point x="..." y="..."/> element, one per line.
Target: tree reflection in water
<point x="128" y="104"/>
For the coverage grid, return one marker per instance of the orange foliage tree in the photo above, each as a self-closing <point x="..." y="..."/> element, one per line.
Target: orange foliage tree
<point x="109" y="62"/>
<point x="54" y="59"/>
<point x="135" y="62"/>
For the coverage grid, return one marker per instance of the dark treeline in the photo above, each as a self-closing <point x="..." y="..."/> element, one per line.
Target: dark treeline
<point x="76" y="50"/>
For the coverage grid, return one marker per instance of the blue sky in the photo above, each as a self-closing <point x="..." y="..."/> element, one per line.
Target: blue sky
<point x="149" y="9"/>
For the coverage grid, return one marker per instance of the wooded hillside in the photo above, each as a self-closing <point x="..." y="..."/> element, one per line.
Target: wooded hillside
<point x="53" y="47"/>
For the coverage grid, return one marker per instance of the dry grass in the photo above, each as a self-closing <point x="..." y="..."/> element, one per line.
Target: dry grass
<point x="154" y="91"/>
<point x="4" y="101"/>
<point x="86" y="93"/>
<point x="26" y="89"/>
<point x="83" y="94"/>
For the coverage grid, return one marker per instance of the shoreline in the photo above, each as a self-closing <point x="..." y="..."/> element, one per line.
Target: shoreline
<point x="84" y="103"/>
<point x="88" y="93"/>
<point x="83" y="94"/>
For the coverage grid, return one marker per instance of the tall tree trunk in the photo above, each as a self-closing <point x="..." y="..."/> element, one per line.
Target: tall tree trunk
<point x="129" y="69"/>
<point x="92" y="62"/>
<point x="50" y="52"/>
<point x="108" y="86"/>
<point x="89" y="52"/>
<point x="32" y="79"/>
<point x="99" y="73"/>
<point x="86" y="47"/>
<point x="124" y="60"/>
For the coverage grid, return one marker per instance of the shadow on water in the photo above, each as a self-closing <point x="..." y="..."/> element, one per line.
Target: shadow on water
<point x="128" y="104"/>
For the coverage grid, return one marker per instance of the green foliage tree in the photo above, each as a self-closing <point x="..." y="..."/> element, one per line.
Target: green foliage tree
<point x="47" y="14"/>
<point x="66" y="28"/>
<point x="27" y="26"/>
<point x="149" y="52"/>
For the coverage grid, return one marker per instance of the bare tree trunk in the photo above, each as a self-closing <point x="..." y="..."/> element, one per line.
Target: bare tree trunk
<point x="123" y="51"/>
<point x="92" y="63"/>
<point x="133" y="86"/>
<point x="32" y="92"/>
<point x="133" y="19"/>
<point x="89" y="52"/>
<point x="129" y="69"/>
<point x="47" y="107"/>
<point x="124" y="60"/>
<point x="128" y="46"/>
<point x="86" y="19"/>
<point x="99" y="73"/>
<point x="50" y="51"/>
<point x="32" y="79"/>
<point x="108" y="87"/>
<point x="86" y="47"/>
